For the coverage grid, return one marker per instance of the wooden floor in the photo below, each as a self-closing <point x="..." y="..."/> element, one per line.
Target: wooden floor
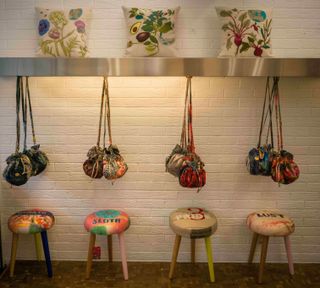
<point x="154" y="275"/>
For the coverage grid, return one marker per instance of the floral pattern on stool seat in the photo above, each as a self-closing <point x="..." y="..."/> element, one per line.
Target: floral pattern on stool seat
<point x="193" y="222"/>
<point x="270" y="223"/>
<point x="107" y="222"/>
<point x="31" y="221"/>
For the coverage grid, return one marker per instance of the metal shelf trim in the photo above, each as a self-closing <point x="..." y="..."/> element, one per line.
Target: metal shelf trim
<point x="156" y="66"/>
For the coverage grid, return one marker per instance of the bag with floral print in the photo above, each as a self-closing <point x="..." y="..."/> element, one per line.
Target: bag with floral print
<point x="284" y="169"/>
<point x="38" y="158"/>
<point x="19" y="167"/>
<point x="259" y="159"/>
<point x="192" y="173"/>
<point x="104" y="161"/>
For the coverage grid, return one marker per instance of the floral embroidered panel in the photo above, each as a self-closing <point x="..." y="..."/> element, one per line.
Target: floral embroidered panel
<point x="151" y="32"/>
<point x="245" y="32"/>
<point x="63" y="33"/>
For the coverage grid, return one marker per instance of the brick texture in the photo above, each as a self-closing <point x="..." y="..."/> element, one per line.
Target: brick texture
<point x="146" y="119"/>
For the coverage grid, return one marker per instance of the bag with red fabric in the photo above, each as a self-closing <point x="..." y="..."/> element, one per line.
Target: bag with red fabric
<point x="284" y="169"/>
<point x="192" y="173"/>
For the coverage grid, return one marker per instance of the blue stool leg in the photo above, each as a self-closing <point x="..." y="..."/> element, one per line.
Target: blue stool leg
<point x="46" y="251"/>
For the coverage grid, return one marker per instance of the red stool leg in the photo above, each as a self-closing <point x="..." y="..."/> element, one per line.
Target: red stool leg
<point x="123" y="256"/>
<point x="287" y="243"/>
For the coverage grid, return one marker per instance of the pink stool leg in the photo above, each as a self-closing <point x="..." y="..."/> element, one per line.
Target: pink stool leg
<point x="123" y="256"/>
<point x="289" y="254"/>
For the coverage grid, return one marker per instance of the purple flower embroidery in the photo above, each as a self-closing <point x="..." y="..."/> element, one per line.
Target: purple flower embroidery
<point x="43" y="26"/>
<point x="81" y="26"/>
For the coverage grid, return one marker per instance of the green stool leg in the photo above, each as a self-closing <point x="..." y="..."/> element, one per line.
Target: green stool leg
<point x="210" y="260"/>
<point x="37" y="241"/>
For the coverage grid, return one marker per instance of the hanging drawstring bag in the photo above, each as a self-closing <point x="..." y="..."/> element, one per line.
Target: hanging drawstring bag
<point x="259" y="160"/>
<point x="38" y="158"/>
<point x="19" y="167"/>
<point x="114" y="166"/>
<point x="192" y="173"/>
<point x="93" y="166"/>
<point x="284" y="169"/>
<point x="176" y="159"/>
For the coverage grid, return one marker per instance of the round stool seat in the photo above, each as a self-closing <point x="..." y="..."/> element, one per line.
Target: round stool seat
<point x="270" y="223"/>
<point x="107" y="222"/>
<point x="193" y="222"/>
<point x="31" y="221"/>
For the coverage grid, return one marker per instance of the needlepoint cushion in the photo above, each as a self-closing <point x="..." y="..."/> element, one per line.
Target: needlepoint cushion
<point x="31" y="221"/>
<point x="63" y="33"/>
<point x="107" y="222"/>
<point x="270" y="223"/>
<point x="150" y="32"/>
<point x="193" y="222"/>
<point x="245" y="32"/>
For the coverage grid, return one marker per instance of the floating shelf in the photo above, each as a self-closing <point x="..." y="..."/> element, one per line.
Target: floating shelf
<point x="156" y="66"/>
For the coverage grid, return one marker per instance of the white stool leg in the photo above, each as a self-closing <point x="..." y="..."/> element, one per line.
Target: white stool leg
<point x="289" y="254"/>
<point x="123" y="256"/>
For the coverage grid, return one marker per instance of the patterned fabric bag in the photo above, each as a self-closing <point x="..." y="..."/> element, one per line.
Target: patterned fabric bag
<point x="19" y="167"/>
<point x="259" y="159"/>
<point x="284" y="169"/>
<point x="192" y="173"/>
<point x="38" y="158"/>
<point x="176" y="159"/>
<point x="104" y="161"/>
<point x="114" y="166"/>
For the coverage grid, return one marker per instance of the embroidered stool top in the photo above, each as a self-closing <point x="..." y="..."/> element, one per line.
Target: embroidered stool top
<point x="31" y="221"/>
<point x="193" y="222"/>
<point x="270" y="223"/>
<point x="107" y="222"/>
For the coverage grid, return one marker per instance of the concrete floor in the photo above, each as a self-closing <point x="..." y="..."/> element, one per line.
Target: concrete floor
<point x="144" y="275"/>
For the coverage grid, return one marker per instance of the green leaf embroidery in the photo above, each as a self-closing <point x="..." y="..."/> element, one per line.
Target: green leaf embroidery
<point x="147" y="28"/>
<point x="225" y="13"/>
<point x="225" y="27"/>
<point x="166" y="27"/>
<point x="147" y="43"/>
<point x="153" y="39"/>
<point x="244" y="47"/>
<point x="250" y="39"/>
<point x="242" y="17"/>
<point x="229" y="43"/>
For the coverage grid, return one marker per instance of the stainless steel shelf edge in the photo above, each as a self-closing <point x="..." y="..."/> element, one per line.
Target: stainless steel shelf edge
<point x="205" y="67"/>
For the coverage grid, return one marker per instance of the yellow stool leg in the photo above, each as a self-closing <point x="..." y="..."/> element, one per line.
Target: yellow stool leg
<point x="210" y="260"/>
<point x="37" y="241"/>
<point x="90" y="254"/>
<point x="14" y="246"/>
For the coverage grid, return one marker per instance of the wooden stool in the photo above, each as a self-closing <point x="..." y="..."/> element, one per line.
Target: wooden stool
<point x="267" y="223"/>
<point x="193" y="223"/>
<point x="107" y="223"/>
<point x="35" y="222"/>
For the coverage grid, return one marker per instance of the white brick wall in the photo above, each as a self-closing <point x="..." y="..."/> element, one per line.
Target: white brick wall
<point x="146" y="117"/>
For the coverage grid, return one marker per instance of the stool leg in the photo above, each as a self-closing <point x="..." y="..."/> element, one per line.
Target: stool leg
<point x="174" y="255"/>
<point x="193" y="250"/>
<point x="255" y="237"/>
<point x="123" y="256"/>
<point x="289" y="254"/>
<point x="37" y="240"/>
<point x="90" y="254"/>
<point x="46" y="251"/>
<point x="263" y="257"/>
<point x="14" y="247"/>
<point x="110" y="248"/>
<point x="210" y="260"/>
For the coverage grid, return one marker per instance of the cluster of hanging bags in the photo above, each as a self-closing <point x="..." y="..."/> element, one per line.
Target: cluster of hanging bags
<point x="183" y="162"/>
<point x="105" y="161"/>
<point x="30" y="162"/>
<point x="264" y="159"/>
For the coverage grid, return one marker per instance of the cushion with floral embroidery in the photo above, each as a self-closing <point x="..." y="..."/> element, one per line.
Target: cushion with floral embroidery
<point x="63" y="33"/>
<point x="245" y="32"/>
<point x="151" y="32"/>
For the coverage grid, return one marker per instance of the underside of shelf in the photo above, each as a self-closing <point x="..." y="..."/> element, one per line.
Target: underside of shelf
<point x="202" y="67"/>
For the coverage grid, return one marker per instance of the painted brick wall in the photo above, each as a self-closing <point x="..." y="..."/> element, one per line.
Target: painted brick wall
<point x="146" y="117"/>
